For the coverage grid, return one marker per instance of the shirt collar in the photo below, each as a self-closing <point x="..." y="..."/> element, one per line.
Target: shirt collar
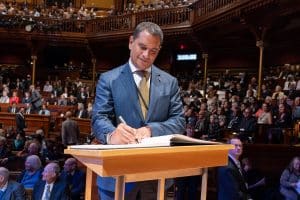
<point x="51" y="185"/>
<point x="4" y="187"/>
<point x="134" y="69"/>
<point x="237" y="162"/>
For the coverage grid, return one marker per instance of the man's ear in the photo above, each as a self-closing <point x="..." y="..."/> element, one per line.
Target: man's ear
<point x="1" y="179"/>
<point x="130" y="42"/>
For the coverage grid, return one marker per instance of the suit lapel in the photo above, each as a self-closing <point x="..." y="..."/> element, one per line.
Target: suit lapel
<point x="6" y="194"/>
<point x="156" y="87"/>
<point x="42" y="188"/>
<point x="129" y="87"/>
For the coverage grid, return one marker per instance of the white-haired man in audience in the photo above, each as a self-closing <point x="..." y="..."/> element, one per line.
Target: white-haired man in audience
<point x="51" y="187"/>
<point x="10" y="189"/>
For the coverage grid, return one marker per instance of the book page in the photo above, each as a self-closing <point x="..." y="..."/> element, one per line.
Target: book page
<point x="158" y="141"/>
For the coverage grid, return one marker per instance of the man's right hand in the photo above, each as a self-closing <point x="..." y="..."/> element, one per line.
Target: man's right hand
<point x="123" y="134"/>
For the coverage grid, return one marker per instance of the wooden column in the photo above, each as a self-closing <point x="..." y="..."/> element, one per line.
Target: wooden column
<point x="33" y="58"/>
<point x="205" y="57"/>
<point x="94" y="76"/>
<point x="260" y="45"/>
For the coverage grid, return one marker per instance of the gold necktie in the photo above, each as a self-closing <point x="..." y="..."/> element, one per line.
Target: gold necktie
<point x="144" y="92"/>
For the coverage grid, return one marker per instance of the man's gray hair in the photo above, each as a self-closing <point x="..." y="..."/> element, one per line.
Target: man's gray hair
<point x="4" y="172"/>
<point x="151" y="28"/>
<point x="35" y="161"/>
<point x="3" y="139"/>
<point x="55" y="168"/>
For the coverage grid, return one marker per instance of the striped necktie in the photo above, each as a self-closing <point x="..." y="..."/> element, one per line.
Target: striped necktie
<point x="48" y="192"/>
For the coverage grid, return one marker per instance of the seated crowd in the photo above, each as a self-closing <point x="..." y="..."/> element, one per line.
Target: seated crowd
<point x="60" y="10"/>
<point x="238" y="111"/>
<point x="232" y="107"/>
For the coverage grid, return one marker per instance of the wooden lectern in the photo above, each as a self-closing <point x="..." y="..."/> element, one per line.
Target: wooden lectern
<point x="159" y="163"/>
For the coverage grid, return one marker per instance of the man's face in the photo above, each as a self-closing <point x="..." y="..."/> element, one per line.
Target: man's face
<point x="28" y="165"/>
<point x="68" y="166"/>
<point x="49" y="174"/>
<point x="144" y="49"/>
<point x="238" y="148"/>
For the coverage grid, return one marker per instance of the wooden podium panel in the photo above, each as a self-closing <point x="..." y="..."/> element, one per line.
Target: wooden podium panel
<point x="159" y="163"/>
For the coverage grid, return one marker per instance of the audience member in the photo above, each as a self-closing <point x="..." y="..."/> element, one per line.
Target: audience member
<point x="10" y="189"/>
<point x="44" y="110"/>
<point x="74" y="177"/>
<point x="32" y="172"/>
<point x="81" y="111"/>
<point x="13" y="108"/>
<point x="69" y="130"/>
<point x="4" y="151"/>
<point x="62" y="101"/>
<point x="265" y="116"/>
<point x="247" y="126"/>
<point x="214" y="130"/>
<point x="296" y="109"/>
<point x="289" y="180"/>
<point x="51" y="187"/>
<point x="20" y="121"/>
<point x="255" y="180"/>
<point x="47" y="87"/>
<point x="4" y="98"/>
<point x="282" y="120"/>
<point x="14" y="98"/>
<point x="18" y="143"/>
<point x="36" y="98"/>
<point x="231" y="182"/>
<point x="72" y="101"/>
<point x="27" y="98"/>
<point x="29" y="109"/>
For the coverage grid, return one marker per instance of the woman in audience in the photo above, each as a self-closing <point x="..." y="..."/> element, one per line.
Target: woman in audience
<point x="281" y="121"/>
<point x="32" y="173"/>
<point x="14" y="98"/>
<point x="26" y="99"/>
<point x="290" y="179"/>
<point x="18" y="143"/>
<point x="214" y="130"/>
<point x="265" y="116"/>
<point x="296" y="109"/>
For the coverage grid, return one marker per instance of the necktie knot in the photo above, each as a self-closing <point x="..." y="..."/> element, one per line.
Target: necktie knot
<point x="144" y="74"/>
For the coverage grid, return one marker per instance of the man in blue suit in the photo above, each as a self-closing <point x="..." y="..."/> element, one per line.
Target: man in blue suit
<point x="51" y="187"/>
<point x="231" y="182"/>
<point x="120" y="93"/>
<point x="10" y="190"/>
<point x="74" y="177"/>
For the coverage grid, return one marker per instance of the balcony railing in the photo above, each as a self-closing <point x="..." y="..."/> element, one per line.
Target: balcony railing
<point x="187" y="16"/>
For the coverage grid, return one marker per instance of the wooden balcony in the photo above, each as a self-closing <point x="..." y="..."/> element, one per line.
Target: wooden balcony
<point x="179" y="20"/>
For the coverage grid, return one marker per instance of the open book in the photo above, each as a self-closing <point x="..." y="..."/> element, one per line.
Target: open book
<point x="159" y="141"/>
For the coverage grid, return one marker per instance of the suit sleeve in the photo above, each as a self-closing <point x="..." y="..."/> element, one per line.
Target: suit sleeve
<point x="76" y="190"/>
<point x="19" y="192"/>
<point x="103" y="110"/>
<point x="175" y="122"/>
<point x="63" y="134"/>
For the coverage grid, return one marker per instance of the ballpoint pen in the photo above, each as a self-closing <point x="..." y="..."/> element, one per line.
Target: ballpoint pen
<point x="124" y="122"/>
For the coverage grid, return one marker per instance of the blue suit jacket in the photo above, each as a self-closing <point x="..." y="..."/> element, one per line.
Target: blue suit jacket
<point x="231" y="183"/>
<point x="76" y="183"/>
<point x="14" y="191"/>
<point x="59" y="191"/>
<point x="116" y="95"/>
